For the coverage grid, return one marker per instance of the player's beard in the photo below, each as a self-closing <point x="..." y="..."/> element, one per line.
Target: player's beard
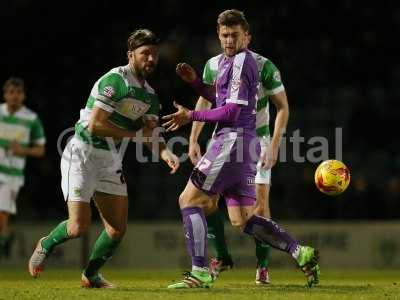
<point x="143" y="72"/>
<point x="147" y="70"/>
<point x="144" y="69"/>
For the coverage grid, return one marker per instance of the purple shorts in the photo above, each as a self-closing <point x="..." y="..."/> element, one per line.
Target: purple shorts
<point x="235" y="200"/>
<point x="229" y="168"/>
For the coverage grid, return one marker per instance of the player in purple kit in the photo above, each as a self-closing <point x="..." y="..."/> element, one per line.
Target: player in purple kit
<point x="229" y="165"/>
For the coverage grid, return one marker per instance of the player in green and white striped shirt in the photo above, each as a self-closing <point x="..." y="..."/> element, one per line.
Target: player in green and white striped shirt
<point x="270" y="88"/>
<point x="21" y="135"/>
<point x="120" y="103"/>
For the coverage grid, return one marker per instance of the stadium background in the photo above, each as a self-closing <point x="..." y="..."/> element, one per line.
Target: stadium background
<point x="338" y="61"/>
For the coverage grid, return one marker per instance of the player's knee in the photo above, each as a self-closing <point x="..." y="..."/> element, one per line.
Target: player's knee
<point x="77" y="229"/>
<point x="210" y="208"/>
<point x="181" y="200"/>
<point x="238" y="223"/>
<point x="260" y="211"/>
<point x="185" y="200"/>
<point x="116" y="233"/>
<point x="3" y="216"/>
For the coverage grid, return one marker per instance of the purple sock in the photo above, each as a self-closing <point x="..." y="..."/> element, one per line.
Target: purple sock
<point x="267" y="231"/>
<point x="195" y="227"/>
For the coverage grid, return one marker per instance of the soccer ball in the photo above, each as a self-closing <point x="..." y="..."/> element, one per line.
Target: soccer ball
<point x="332" y="177"/>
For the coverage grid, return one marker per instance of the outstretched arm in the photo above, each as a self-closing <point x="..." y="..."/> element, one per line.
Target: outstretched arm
<point x="204" y="90"/>
<point x="188" y="74"/>
<point x="227" y="113"/>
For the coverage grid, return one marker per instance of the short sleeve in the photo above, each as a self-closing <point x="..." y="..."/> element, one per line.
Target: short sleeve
<point x="208" y="74"/>
<point x="111" y="89"/>
<point x="271" y="79"/>
<point x="37" y="133"/>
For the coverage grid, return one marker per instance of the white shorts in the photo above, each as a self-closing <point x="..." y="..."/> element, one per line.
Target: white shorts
<point x="263" y="176"/>
<point x="8" y="198"/>
<point x="85" y="170"/>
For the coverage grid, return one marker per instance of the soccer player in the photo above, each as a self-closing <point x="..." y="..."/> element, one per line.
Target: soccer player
<point x="21" y="135"/>
<point x="229" y="165"/>
<point x="271" y="87"/>
<point x="119" y="102"/>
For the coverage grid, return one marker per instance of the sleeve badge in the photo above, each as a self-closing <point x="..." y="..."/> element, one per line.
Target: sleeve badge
<point x="108" y="91"/>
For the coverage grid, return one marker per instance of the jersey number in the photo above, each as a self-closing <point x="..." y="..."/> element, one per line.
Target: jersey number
<point x="204" y="164"/>
<point x="121" y="177"/>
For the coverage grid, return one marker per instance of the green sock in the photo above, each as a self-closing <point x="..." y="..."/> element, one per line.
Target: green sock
<point x="216" y="234"/>
<point x="8" y="243"/>
<point x="56" y="237"/>
<point x="103" y="249"/>
<point x="263" y="252"/>
<point x="3" y="241"/>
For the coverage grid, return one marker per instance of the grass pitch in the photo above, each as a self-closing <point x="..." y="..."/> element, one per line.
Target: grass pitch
<point x="232" y="285"/>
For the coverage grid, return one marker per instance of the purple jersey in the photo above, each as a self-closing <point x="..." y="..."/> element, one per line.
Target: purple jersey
<point x="229" y="165"/>
<point x="237" y="81"/>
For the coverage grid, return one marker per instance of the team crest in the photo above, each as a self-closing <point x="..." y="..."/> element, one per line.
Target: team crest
<point x="235" y="85"/>
<point x="77" y="191"/>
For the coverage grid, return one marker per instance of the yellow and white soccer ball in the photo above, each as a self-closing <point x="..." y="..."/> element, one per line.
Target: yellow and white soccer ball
<point x="332" y="177"/>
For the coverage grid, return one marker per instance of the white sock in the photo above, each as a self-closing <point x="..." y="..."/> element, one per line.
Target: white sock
<point x="200" y="269"/>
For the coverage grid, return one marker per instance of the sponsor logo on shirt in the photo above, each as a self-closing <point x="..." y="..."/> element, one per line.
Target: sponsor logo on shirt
<point x="132" y="108"/>
<point x="12" y="133"/>
<point x="108" y="91"/>
<point x="147" y="99"/>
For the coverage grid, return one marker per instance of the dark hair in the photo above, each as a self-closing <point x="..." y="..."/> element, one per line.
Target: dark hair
<point x="232" y="17"/>
<point x="140" y="38"/>
<point x="15" y="82"/>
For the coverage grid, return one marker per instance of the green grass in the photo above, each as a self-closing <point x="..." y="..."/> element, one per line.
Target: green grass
<point x="235" y="284"/>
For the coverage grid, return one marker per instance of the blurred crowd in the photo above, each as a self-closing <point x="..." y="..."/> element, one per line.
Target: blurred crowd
<point x="338" y="62"/>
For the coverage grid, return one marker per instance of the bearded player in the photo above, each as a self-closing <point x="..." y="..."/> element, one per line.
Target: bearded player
<point x="119" y="100"/>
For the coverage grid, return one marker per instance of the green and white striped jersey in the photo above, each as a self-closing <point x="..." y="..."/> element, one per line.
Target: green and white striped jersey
<point x="271" y="84"/>
<point x="119" y="93"/>
<point x="24" y="127"/>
